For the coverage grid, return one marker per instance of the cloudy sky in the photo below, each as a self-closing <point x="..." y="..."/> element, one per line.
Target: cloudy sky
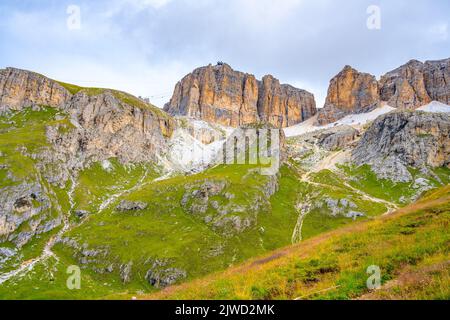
<point x="146" y="46"/>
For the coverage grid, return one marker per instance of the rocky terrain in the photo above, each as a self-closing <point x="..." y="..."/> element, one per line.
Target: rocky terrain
<point x="107" y="123"/>
<point x="19" y="89"/>
<point x="349" y="92"/>
<point x="86" y="126"/>
<point x="410" y="86"/>
<point x="141" y="199"/>
<point x="221" y="95"/>
<point x="403" y="139"/>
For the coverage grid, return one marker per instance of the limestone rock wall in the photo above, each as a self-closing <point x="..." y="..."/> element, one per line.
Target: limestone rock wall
<point x="20" y="88"/>
<point x="403" y="139"/>
<point x="410" y="86"/>
<point x="222" y="95"/>
<point x="349" y="92"/>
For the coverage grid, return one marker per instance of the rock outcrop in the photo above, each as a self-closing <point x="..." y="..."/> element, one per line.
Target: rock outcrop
<point x="404" y="87"/>
<point x="107" y="123"/>
<point x="410" y="86"/>
<point x="20" y="88"/>
<point x="416" y="84"/>
<point x="283" y="105"/>
<point x="349" y="92"/>
<point x="437" y="80"/>
<point x="108" y="127"/>
<point x="213" y="202"/>
<point x="331" y="139"/>
<point x="403" y="139"/>
<point x="24" y="213"/>
<point x="125" y="205"/>
<point x="231" y="98"/>
<point x="161" y="276"/>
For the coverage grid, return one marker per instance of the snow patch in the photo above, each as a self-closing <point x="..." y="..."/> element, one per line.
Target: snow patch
<point x="107" y="165"/>
<point x="435" y="106"/>
<point x="357" y="120"/>
<point x="354" y="120"/>
<point x="188" y="154"/>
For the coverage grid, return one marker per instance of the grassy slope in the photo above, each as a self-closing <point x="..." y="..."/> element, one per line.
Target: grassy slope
<point x="164" y="230"/>
<point x="26" y="130"/>
<point x="413" y="241"/>
<point x="366" y="180"/>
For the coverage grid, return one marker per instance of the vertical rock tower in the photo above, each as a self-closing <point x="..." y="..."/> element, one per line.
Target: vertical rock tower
<point x="219" y="94"/>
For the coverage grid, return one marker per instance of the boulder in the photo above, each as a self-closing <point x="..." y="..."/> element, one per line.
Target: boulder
<point x="125" y="205"/>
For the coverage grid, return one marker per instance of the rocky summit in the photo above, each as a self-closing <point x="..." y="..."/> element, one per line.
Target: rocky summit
<point x="416" y="84"/>
<point x="231" y="98"/>
<point x="349" y="92"/>
<point x="410" y="86"/>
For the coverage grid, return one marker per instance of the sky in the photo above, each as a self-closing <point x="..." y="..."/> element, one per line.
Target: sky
<point x="146" y="46"/>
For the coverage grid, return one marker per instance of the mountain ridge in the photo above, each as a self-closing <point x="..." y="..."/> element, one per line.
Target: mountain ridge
<point x="100" y="179"/>
<point x="222" y="95"/>
<point x="410" y="86"/>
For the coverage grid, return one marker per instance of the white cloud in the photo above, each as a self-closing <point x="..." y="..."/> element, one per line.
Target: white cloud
<point x="257" y="13"/>
<point x="143" y="4"/>
<point x="146" y="46"/>
<point x="439" y="31"/>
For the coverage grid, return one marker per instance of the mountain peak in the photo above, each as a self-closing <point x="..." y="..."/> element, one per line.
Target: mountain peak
<point x="232" y="98"/>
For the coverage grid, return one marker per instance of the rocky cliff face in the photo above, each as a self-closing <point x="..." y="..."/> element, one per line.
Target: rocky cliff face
<point x="108" y="127"/>
<point x="437" y="80"/>
<point x="19" y="88"/>
<point x="349" y="92"/>
<point x="416" y="84"/>
<point x="107" y="123"/>
<point x="404" y="88"/>
<point x="403" y="139"/>
<point x="221" y="95"/>
<point x="90" y="126"/>
<point x="410" y="86"/>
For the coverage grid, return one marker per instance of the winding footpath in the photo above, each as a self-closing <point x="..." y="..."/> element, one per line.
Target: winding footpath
<point x="330" y="164"/>
<point x="47" y="252"/>
<point x="27" y="266"/>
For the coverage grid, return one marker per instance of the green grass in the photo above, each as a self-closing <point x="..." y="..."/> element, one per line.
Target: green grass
<point x="22" y="134"/>
<point x="96" y="184"/>
<point x="48" y="281"/>
<point x="167" y="231"/>
<point x="366" y="180"/>
<point x="333" y="266"/>
<point x="176" y="231"/>
<point x="331" y="186"/>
